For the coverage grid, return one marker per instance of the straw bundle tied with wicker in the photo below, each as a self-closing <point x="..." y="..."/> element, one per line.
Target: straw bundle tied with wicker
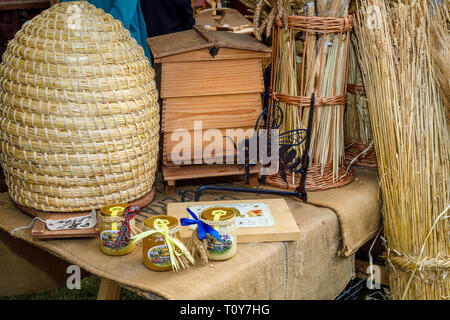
<point x="79" y="119"/>
<point x="321" y="67"/>
<point x="395" y="46"/>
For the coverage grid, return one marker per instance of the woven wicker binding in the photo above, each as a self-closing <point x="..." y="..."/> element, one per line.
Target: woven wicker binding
<point x="79" y="117"/>
<point x="322" y="178"/>
<point x="327" y="175"/>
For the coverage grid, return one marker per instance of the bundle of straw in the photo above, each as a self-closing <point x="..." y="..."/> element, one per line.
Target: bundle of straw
<point x="411" y="142"/>
<point x="357" y="123"/>
<point x="359" y="148"/>
<point x="440" y="52"/>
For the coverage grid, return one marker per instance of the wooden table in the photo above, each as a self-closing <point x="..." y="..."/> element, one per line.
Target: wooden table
<point x="306" y="269"/>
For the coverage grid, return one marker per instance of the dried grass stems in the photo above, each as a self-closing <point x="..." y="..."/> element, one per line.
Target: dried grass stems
<point x="198" y="248"/>
<point x="357" y="121"/>
<point x="407" y="115"/>
<point x="440" y="52"/>
<point x="266" y="11"/>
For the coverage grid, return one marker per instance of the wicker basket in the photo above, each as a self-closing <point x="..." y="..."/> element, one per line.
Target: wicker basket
<point x="332" y="173"/>
<point x="79" y="113"/>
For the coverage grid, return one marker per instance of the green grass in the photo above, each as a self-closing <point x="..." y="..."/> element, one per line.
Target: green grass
<point x="88" y="291"/>
<point x="91" y="283"/>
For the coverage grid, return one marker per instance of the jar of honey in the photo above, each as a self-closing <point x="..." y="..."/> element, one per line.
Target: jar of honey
<point x="222" y="219"/>
<point x="155" y="253"/>
<point x="110" y="223"/>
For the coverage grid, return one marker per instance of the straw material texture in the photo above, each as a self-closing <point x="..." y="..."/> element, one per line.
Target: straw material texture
<point x="412" y="143"/>
<point x="79" y="117"/>
<point x="319" y="67"/>
<point x="359" y="149"/>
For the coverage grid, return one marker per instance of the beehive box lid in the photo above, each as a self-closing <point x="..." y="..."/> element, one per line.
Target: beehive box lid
<point x="200" y="38"/>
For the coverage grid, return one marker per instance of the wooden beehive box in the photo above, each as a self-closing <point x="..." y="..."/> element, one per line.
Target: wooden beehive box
<point x="213" y="77"/>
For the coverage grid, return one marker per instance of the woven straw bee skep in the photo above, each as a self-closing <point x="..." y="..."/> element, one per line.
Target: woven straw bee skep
<point x="79" y="117"/>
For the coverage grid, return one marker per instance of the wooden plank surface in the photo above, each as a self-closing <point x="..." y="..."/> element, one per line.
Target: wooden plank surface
<point x="40" y="230"/>
<point x="224" y="39"/>
<point x="285" y="228"/>
<point x="223" y="54"/>
<point x="198" y="38"/>
<point x="108" y="290"/>
<point x="197" y="149"/>
<point x="175" y="43"/>
<point x="189" y="79"/>
<point x="224" y="111"/>
<point x="228" y="16"/>
<point x="204" y="171"/>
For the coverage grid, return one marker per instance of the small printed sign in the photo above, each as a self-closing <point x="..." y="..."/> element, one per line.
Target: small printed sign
<point x="248" y="214"/>
<point x="83" y="222"/>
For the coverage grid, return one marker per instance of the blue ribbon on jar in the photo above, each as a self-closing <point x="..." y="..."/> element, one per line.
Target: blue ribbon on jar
<point x="202" y="228"/>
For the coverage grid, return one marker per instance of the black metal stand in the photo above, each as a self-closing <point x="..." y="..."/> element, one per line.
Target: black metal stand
<point x="300" y="192"/>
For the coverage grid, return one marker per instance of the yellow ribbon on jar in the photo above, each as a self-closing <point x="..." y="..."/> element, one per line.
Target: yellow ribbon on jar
<point x="172" y="244"/>
<point x="217" y="214"/>
<point x="114" y="212"/>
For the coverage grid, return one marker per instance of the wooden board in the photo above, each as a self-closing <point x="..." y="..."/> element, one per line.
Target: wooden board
<point x="223" y="54"/>
<point x="224" y="111"/>
<point x="198" y="38"/>
<point x="40" y="230"/>
<point x="207" y="78"/>
<point x="204" y="171"/>
<point x="197" y="149"/>
<point x="224" y="16"/>
<point x="285" y="228"/>
<point x="176" y="43"/>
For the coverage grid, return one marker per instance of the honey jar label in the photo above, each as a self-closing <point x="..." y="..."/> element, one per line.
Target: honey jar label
<point x="218" y="248"/>
<point x="108" y="238"/>
<point x="159" y="256"/>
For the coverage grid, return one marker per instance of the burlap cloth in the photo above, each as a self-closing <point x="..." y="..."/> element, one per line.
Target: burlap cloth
<point x="310" y="268"/>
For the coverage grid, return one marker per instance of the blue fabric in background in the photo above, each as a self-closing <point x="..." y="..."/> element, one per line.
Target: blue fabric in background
<point x="129" y="12"/>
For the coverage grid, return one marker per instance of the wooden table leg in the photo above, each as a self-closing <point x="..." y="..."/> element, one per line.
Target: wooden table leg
<point x="109" y="290"/>
<point x="169" y="187"/>
<point x="253" y="180"/>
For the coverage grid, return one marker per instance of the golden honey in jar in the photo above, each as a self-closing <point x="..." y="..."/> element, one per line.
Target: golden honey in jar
<point x="222" y="219"/>
<point x="110" y="223"/>
<point x="155" y="253"/>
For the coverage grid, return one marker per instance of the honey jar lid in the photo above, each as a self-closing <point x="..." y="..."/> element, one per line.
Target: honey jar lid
<point x="218" y="213"/>
<point x="117" y="208"/>
<point x="172" y="221"/>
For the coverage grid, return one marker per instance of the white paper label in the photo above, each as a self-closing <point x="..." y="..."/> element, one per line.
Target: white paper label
<point x="83" y="222"/>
